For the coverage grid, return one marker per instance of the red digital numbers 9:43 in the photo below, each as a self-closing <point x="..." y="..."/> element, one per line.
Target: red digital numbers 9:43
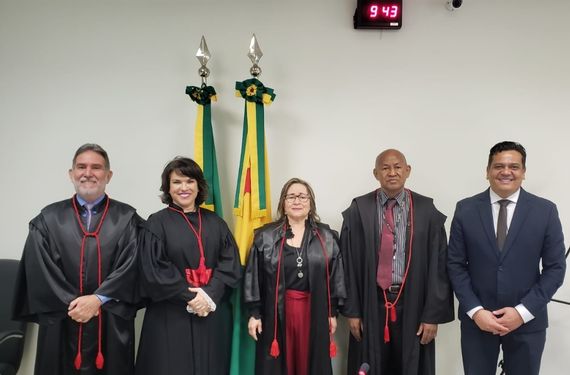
<point x="386" y="11"/>
<point x="378" y="14"/>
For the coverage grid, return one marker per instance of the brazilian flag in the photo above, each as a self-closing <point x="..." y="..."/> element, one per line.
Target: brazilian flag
<point x="252" y="207"/>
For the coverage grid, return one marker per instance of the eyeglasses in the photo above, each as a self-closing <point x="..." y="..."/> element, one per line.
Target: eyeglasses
<point x="303" y="198"/>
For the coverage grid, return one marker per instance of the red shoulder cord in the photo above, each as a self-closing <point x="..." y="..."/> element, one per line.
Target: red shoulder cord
<point x="274" y="351"/>
<point x="332" y="345"/>
<point x="203" y="273"/>
<point x="100" y="360"/>
<point x="391" y="306"/>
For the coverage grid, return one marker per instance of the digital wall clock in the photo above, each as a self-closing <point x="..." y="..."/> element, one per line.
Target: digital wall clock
<point x="378" y="14"/>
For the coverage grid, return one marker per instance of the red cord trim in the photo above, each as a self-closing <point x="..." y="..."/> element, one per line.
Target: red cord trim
<point x="332" y="346"/>
<point x="274" y="351"/>
<point x="100" y="359"/>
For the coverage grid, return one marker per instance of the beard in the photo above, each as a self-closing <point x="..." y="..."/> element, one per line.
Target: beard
<point x="89" y="189"/>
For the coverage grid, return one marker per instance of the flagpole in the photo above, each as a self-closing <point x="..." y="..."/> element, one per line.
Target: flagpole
<point x="252" y="205"/>
<point x="204" y="147"/>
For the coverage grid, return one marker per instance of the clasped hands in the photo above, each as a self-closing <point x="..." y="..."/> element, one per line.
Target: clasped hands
<point x="199" y="304"/>
<point x="83" y="308"/>
<point x="499" y="322"/>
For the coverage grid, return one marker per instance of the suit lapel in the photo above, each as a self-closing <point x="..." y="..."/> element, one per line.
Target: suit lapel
<point x="486" y="216"/>
<point x="519" y="216"/>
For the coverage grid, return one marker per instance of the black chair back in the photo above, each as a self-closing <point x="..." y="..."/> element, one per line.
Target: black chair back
<point x="12" y="333"/>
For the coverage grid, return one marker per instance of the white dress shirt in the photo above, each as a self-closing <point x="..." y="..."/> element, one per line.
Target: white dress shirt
<point x="495" y="206"/>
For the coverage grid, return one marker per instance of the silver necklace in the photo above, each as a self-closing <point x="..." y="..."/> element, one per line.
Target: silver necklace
<point x="299" y="260"/>
<point x="299" y="252"/>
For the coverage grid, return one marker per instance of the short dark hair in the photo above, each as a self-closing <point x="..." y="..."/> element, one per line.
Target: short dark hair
<point x="95" y="148"/>
<point x="281" y="205"/>
<point x="507" y="146"/>
<point x="186" y="167"/>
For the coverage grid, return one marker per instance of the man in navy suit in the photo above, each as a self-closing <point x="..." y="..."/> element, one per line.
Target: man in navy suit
<point x="499" y="240"/>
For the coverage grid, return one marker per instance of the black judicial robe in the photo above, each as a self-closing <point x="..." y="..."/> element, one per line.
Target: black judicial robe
<point x="427" y="295"/>
<point x="174" y="341"/>
<point x="259" y="291"/>
<point x="48" y="280"/>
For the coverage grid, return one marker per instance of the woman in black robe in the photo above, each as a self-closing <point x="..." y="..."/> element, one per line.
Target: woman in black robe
<point x="189" y="264"/>
<point x="293" y="284"/>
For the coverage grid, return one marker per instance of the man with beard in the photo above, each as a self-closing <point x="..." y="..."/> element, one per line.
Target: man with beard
<point x="77" y="276"/>
<point x="394" y="247"/>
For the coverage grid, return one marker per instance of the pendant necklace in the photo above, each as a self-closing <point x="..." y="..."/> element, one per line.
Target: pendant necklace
<point x="299" y="260"/>
<point x="298" y="251"/>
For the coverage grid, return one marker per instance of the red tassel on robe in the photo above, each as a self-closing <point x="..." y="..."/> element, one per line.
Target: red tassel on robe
<point x="77" y="362"/>
<point x="332" y="349"/>
<point x="99" y="361"/>
<point x="386" y="334"/>
<point x="274" y="352"/>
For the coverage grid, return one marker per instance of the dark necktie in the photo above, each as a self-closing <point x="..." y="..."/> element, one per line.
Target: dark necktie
<point x="384" y="271"/>
<point x="89" y="208"/>
<point x="502" y="223"/>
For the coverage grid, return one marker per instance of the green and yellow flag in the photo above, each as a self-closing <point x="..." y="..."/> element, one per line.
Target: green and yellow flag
<point x="204" y="147"/>
<point x="252" y="206"/>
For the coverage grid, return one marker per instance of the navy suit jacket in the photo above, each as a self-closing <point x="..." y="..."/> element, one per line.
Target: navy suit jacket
<point x="482" y="275"/>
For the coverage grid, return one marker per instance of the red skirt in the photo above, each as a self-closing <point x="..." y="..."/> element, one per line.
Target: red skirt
<point x="297" y="330"/>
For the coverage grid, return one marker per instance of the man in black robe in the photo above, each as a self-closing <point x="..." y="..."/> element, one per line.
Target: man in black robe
<point x="77" y="276"/>
<point x="419" y="297"/>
